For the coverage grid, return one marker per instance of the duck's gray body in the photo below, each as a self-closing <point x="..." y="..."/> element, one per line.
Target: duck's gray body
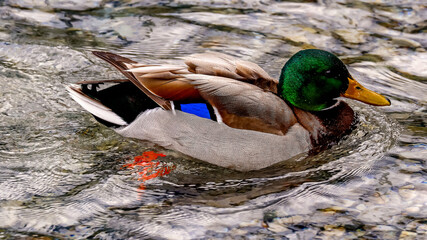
<point x="217" y="143"/>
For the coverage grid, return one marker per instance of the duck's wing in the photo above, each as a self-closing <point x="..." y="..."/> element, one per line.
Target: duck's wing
<point x="243" y="105"/>
<point x="164" y="80"/>
<point x="222" y="65"/>
<point x="122" y="63"/>
<point x="209" y="63"/>
<point x="236" y="103"/>
<point x="240" y="92"/>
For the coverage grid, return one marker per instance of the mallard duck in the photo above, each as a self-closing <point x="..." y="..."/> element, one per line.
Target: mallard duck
<point x="226" y="111"/>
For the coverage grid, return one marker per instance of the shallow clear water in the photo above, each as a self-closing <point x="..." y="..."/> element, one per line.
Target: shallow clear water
<point x="62" y="175"/>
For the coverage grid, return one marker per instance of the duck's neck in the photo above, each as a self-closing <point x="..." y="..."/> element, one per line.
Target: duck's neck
<point x="327" y="126"/>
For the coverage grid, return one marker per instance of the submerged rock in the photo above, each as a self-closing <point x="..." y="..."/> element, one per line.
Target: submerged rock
<point x="408" y="192"/>
<point x="405" y="42"/>
<point x="351" y="35"/>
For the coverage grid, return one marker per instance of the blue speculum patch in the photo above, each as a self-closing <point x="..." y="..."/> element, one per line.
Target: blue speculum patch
<point x="198" y="109"/>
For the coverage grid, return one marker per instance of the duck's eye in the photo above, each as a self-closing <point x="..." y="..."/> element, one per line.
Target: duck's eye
<point x="328" y="73"/>
<point x="358" y="88"/>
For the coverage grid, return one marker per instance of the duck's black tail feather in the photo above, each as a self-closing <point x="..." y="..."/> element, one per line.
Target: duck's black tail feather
<point x="113" y="106"/>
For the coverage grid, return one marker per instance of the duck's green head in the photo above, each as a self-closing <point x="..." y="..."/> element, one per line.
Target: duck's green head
<point x="312" y="79"/>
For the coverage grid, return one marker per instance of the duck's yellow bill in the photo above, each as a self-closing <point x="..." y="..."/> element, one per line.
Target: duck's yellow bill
<point x="358" y="92"/>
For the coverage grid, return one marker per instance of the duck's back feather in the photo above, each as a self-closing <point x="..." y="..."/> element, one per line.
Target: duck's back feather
<point x="222" y="65"/>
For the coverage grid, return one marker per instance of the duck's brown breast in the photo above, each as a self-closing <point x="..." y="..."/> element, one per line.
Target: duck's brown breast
<point x="327" y="126"/>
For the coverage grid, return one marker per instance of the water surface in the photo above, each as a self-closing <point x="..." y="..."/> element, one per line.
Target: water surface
<point x="62" y="175"/>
